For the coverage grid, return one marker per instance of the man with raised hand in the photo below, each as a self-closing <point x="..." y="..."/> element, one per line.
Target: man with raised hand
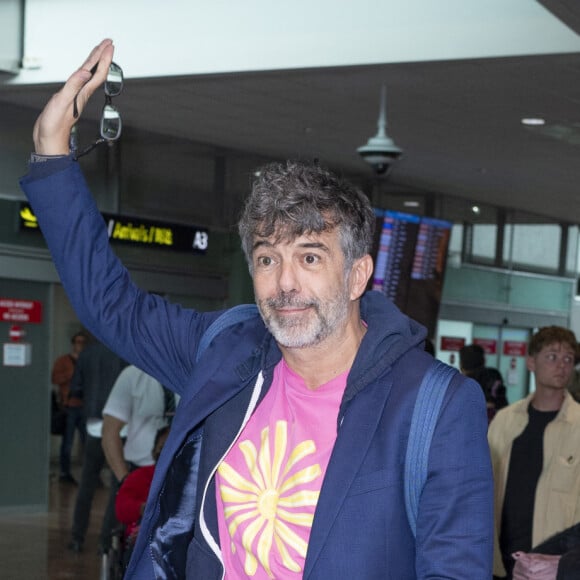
<point x="302" y="413"/>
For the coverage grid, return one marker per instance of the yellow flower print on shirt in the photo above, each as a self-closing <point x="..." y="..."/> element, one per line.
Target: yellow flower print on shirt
<point x="268" y="502"/>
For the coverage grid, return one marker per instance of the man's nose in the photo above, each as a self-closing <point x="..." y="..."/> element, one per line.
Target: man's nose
<point x="288" y="279"/>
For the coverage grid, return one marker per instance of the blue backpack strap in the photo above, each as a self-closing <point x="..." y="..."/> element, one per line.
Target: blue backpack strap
<point x="228" y="318"/>
<point x="425" y="415"/>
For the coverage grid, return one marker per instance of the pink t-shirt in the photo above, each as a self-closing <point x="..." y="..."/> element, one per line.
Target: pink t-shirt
<point x="268" y="485"/>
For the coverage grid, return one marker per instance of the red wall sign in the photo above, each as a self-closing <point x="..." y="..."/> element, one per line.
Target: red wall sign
<point x="452" y="343"/>
<point x="489" y="345"/>
<point x="515" y="348"/>
<point x="15" y="310"/>
<point x="16" y="333"/>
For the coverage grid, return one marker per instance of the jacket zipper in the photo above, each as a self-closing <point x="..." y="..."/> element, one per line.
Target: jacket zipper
<point x="203" y="526"/>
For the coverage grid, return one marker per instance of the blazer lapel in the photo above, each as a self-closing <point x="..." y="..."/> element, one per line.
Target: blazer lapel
<point x="354" y="437"/>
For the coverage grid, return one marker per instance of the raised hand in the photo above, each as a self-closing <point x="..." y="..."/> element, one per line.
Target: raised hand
<point x="52" y="128"/>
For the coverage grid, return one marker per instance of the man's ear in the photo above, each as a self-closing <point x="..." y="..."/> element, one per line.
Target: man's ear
<point x="360" y="273"/>
<point x="530" y="363"/>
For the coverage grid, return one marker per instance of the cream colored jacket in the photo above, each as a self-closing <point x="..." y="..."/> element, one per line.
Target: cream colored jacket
<point x="557" y="504"/>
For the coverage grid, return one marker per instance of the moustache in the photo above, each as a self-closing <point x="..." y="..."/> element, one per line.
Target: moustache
<point x="287" y="300"/>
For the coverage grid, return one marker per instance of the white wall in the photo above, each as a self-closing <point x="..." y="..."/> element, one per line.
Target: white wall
<point x="575" y="317"/>
<point x="193" y="37"/>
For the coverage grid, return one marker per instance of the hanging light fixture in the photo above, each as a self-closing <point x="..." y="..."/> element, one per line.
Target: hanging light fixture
<point x="380" y="151"/>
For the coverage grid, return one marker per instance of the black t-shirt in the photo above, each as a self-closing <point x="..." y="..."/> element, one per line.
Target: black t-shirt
<point x="526" y="462"/>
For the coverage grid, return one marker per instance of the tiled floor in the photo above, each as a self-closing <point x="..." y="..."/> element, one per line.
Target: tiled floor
<point x="34" y="546"/>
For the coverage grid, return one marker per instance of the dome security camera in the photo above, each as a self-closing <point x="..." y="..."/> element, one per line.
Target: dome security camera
<point x="380" y="151"/>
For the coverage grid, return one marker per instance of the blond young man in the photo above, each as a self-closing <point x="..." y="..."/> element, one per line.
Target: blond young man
<point x="535" y="449"/>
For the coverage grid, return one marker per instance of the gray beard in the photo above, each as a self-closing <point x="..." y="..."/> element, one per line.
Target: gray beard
<point x="302" y="330"/>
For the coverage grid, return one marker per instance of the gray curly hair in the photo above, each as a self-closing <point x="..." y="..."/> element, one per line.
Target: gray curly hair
<point x="291" y="199"/>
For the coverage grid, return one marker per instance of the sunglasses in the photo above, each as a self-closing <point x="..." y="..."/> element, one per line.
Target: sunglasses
<point x="110" y="126"/>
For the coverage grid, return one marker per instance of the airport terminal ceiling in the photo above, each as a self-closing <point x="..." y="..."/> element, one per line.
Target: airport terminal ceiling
<point x="458" y="122"/>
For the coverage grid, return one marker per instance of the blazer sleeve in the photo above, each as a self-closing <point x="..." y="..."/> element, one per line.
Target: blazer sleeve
<point x="455" y="517"/>
<point x="142" y="328"/>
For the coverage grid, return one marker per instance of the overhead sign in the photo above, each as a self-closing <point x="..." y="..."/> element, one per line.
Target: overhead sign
<point x="140" y="232"/>
<point x="136" y="231"/>
<point x="27" y="218"/>
<point x="17" y="310"/>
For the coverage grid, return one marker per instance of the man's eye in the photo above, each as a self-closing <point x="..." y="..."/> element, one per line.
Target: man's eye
<point x="311" y="259"/>
<point x="264" y="260"/>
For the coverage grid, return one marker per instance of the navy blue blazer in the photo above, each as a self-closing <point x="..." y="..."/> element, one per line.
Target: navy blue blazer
<point x="360" y="527"/>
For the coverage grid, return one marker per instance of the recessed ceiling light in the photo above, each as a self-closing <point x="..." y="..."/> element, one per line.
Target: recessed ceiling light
<point x="475" y="209"/>
<point x="533" y="121"/>
<point x="411" y="203"/>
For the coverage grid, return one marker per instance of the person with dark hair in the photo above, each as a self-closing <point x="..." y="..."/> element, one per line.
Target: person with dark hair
<point x="471" y="358"/>
<point x="96" y="371"/>
<point x="472" y="364"/>
<point x="286" y="454"/>
<point x="61" y="375"/>
<point x="574" y="385"/>
<point x="534" y="446"/>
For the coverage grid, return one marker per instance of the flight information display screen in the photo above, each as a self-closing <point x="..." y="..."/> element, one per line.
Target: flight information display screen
<point x="410" y="255"/>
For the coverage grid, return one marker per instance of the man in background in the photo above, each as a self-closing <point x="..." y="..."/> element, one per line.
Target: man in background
<point x="61" y="376"/>
<point x="535" y="449"/>
<point x="139" y="403"/>
<point x="472" y="365"/>
<point x="574" y="386"/>
<point x="96" y="371"/>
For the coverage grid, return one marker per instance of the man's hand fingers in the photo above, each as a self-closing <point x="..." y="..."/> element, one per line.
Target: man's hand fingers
<point x="52" y="129"/>
<point x="83" y="83"/>
<point x="98" y="54"/>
